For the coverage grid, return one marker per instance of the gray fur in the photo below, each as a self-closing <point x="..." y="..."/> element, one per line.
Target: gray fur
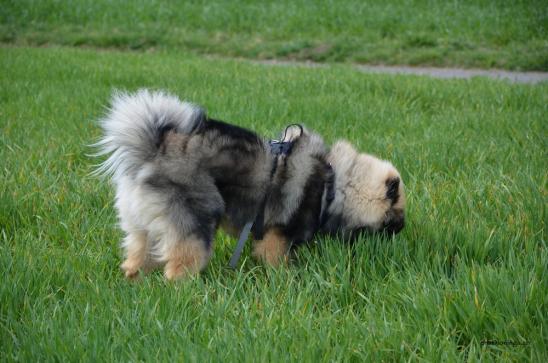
<point x="178" y="174"/>
<point x="132" y="125"/>
<point x="292" y="174"/>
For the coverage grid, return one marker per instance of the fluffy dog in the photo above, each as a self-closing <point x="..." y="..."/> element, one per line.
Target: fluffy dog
<point x="179" y="175"/>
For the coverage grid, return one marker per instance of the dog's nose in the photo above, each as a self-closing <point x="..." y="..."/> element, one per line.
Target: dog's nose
<point x="395" y="223"/>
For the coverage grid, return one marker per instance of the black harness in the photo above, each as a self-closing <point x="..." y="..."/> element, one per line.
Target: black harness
<point x="280" y="148"/>
<point x="329" y="193"/>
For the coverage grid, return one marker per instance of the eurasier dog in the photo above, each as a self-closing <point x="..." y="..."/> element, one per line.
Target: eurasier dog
<point x="179" y="175"/>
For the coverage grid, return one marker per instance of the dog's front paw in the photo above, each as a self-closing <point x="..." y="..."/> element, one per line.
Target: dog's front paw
<point x="272" y="249"/>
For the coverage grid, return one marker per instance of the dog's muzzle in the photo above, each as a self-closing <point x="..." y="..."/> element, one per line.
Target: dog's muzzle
<point x="394" y="222"/>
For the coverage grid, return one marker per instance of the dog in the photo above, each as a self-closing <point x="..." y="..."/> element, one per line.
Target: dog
<point x="180" y="175"/>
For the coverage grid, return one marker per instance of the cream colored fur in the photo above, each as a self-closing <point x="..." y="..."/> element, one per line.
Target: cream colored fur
<point x="360" y="186"/>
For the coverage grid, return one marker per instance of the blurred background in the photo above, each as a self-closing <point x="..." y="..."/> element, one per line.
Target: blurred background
<point x="466" y="33"/>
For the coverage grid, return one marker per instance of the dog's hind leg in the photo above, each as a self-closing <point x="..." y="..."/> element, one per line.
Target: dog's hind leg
<point x="136" y="250"/>
<point x="185" y="230"/>
<point x="186" y="257"/>
<point x="187" y="235"/>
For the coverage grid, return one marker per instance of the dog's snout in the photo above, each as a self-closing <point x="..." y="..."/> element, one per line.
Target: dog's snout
<point x="395" y="223"/>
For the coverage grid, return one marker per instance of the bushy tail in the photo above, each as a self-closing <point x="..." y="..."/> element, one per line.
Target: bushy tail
<point x="134" y="126"/>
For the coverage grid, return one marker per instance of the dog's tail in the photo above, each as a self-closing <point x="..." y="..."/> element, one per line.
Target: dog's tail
<point x="135" y="125"/>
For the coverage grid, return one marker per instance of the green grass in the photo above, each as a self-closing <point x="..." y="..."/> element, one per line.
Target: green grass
<point x="471" y="264"/>
<point x="471" y="33"/>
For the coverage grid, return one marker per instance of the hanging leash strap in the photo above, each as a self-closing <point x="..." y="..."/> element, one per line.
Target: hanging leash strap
<point x="277" y="148"/>
<point x="241" y="244"/>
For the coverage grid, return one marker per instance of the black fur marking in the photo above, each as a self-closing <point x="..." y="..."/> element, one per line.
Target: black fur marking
<point x="392" y="186"/>
<point x="238" y="157"/>
<point x="394" y="226"/>
<point x="162" y="134"/>
<point x="236" y="147"/>
<point x="234" y="132"/>
<point x="333" y="225"/>
<point x="199" y="120"/>
<point x="306" y="220"/>
<point x="329" y="188"/>
<point x="394" y="222"/>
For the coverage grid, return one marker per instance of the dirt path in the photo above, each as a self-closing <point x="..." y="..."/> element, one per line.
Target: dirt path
<point x="446" y="73"/>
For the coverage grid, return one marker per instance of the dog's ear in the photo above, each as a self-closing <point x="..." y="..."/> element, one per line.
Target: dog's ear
<point x="344" y="147"/>
<point x="342" y="155"/>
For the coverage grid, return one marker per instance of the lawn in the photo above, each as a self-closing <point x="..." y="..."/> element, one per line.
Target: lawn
<point x="467" y="33"/>
<point x="465" y="280"/>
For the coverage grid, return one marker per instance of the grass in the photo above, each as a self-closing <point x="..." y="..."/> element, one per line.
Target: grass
<point x="484" y="34"/>
<point x="469" y="267"/>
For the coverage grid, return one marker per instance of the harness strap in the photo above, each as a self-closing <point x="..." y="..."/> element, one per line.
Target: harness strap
<point x="240" y="246"/>
<point x="277" y="148"/>
<point x="328" y="195"/>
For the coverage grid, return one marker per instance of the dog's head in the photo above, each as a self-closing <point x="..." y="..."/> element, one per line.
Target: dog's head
<point x="369" y="194"/>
